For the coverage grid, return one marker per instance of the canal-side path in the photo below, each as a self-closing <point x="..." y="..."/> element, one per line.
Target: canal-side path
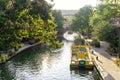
<point x="105" y="63"/>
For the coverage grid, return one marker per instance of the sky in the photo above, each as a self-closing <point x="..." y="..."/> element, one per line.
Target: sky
<point x="72" y="4"/>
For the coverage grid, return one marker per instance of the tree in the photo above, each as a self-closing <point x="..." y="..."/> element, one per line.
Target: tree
<point x="119" y="47"/>
<point x="102" y="23"/>
<point x="25" y="19"/>
<point x="42" y="8"/>
<point x="80" y="21"/>
<point x="59" y="20"/>
<point x="111" y="1"/>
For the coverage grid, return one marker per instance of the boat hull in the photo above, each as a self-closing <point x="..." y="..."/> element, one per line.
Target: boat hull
<point x="81" y="57"/>
<point x="82" y="64"/>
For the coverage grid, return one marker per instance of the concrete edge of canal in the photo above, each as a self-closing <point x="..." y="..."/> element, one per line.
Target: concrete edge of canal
<point x="26" y="46"/>
<point x="98" y="66"/>
<point x="100" y="69"/>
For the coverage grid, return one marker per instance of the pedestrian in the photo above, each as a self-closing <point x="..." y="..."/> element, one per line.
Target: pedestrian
<point x="96" y="57"/>
<point x="92" y="52"/>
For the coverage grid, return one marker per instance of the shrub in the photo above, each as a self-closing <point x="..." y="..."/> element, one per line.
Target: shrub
<point x="117" y="62"/>
<point x="96" y="43"/>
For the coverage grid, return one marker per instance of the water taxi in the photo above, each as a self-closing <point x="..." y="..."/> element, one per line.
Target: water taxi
<point x="80" y="57"/>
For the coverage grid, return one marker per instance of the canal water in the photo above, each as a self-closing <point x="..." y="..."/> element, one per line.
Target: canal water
<point x="39" y="63"/>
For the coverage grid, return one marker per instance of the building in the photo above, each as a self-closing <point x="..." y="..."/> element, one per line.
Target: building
<point x="68" y="14"/>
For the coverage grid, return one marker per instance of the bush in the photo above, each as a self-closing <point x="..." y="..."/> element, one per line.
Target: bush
<point x="70" y="32"/>
<point x="117" y="62"/>
<point x="79" y="41"/>
<point x="96" y="43"/>
<point x="4" y="58"/>
<point x="112" y="50"/>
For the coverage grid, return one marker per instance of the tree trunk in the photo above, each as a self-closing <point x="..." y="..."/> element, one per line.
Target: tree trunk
<point x="118" y="34"/>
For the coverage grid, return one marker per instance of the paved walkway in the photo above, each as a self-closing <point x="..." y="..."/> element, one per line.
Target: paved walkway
<point x="105" y="63"/>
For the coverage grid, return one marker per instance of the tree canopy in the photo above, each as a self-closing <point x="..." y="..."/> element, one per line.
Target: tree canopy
<point x="102" y="23"/>
<point x="111" y="1"/>
<point x="80" y="20"/>
<point x="31" y="20"/>
<point x="59" y="20"/>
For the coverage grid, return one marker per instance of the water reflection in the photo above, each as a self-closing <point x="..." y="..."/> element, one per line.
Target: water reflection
<point x="39" y="64"/>
<point x="82" y="74"/>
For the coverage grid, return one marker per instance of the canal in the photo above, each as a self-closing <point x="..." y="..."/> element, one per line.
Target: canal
<point x="38" y="63"/>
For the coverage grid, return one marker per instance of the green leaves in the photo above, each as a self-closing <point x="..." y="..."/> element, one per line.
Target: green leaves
<point x="25" y="20"/>
<point x="81" y="19"/>
<point x="59" y="20"/>
<point x="102" y="23"/>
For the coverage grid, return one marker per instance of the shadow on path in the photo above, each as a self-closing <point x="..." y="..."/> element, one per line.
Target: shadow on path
<point x="100" y="61"/>
<point x="102" y="50"/>
<point x="109" y="77"/>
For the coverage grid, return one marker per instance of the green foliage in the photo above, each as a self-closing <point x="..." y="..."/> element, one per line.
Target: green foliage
<point x="107" y="10"/>
<point x="3" y="4"/>
<point x="59" y="20"/>
<point x="117" y="61"/>
<point x="41" y="7"/>
<point x="25" y="19"/>
<point x="79" y="40"/>
<point x="119" y="47"/>
<point x="101" y="21"/>
<point x="81" y="19"/>
<point x="111" y="1"/>
<point x="96" y="43"/>
<point x="3" y="58"/>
